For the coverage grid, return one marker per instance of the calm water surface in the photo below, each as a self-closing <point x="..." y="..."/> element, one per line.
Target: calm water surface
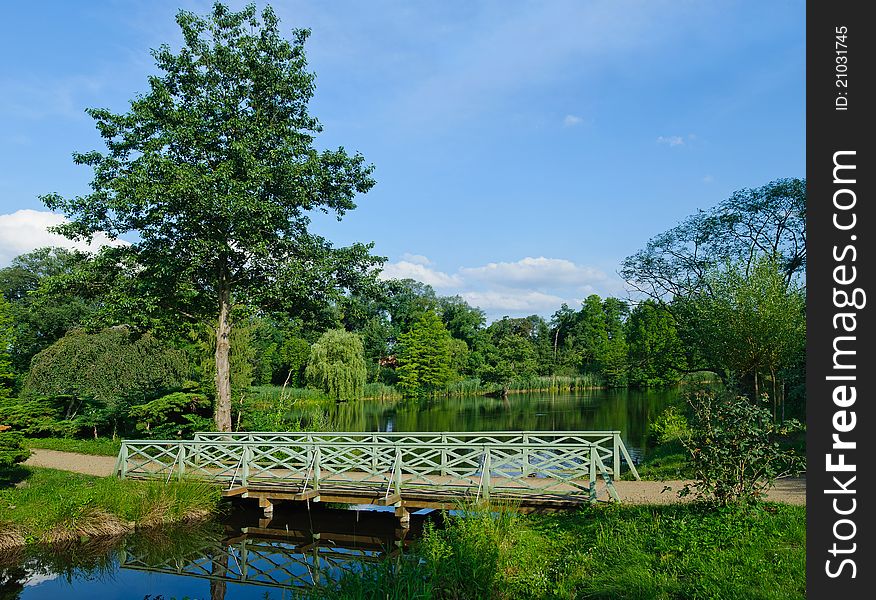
<point x="629" y="411"/>
<point x="244" y="558"/>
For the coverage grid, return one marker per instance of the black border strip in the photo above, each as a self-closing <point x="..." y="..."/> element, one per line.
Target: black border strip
<point x="841" y="562"/>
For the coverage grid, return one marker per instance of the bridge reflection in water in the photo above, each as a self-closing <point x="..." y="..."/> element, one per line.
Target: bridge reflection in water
<point x="295" y="549"/>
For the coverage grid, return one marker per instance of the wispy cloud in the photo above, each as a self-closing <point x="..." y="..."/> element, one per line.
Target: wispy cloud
<point x="572" y="121"/>
<point x="671" y="140"/>
<point x="26" y="230"/>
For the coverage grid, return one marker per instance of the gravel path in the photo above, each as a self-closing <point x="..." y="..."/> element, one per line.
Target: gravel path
<point x="791" y="491"/>
<point x="101" y="466"/>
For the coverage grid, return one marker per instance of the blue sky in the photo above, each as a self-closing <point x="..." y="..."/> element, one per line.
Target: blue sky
<point x="522" y="149"/>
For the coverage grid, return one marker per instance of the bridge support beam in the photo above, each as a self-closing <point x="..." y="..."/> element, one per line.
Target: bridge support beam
<point x="267" y="507"/>
<point x="404" y="517"/>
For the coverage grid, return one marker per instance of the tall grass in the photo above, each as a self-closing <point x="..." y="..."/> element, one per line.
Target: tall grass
<point x="380" y="391"/>
<point x="56" y="506"/>
<point x="616" y="552"/>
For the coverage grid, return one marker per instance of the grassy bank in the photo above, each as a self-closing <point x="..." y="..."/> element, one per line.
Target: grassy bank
<point x="49" y="506"/>
<point x="96" y="447"/>
<point x="618" y="552"/>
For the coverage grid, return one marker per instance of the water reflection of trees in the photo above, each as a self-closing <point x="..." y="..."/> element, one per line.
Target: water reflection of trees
<point x="629" y="411"/>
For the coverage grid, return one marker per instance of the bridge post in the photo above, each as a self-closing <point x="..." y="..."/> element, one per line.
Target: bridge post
<point x="443" y="454"/>
<point x="181" y="462"/>
<point x="317" y="469"/>
<point x="485" y="473"/>
<point x="592" y="477"/>
<point x="123" y="461"/>
<point x="246" y="456"/>
<point x="373" y="454"/>
<point x="526" y="470"/>
<point x="267" y="506"/>
<point x="616" y="446"/>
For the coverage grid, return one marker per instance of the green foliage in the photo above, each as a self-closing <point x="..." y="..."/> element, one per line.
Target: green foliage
<point x="752" y="323"/>
<point x="12" y="449"/>
<point x="670" y="426"/>
<point x="273" y="408"/>
<point x="97" y="447"/>
<point x="425" y="357"/>
<point x="7" y="376"/>
<point x="613" y="552"/>
<point x="656" y="352"/>
<point x="337" y="365"/>
<point x="35" y="417"/>
<point x="61" y="506"/>
<point x="107" y="371"/>
<point x="41" y="311"/>
<point x="769" y="221"/>
<point x="216" y="170"/>
<point x="734" y="455"/>
<point x="175" y="415"/>
<point x="294" y="354"/>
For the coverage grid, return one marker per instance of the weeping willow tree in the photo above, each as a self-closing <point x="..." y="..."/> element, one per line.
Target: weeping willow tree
<point x="337" y="365"/>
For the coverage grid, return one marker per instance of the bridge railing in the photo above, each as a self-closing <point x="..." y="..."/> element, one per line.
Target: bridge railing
<point x="548" y="438"/>
<point x="428" y="464"/>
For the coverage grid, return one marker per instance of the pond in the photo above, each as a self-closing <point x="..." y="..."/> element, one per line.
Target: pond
<point x="241" y="558"/>
<point x="629" y="411"/>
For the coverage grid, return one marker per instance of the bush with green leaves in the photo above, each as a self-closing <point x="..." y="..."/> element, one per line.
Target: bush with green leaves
<point x="670" y="426"/>
<point x="35" y="417"/>
<point x="175" y="415"/>
<point x="108" y="371"/>
<point x="12" y="450"/>
<point x="734" y="455"/>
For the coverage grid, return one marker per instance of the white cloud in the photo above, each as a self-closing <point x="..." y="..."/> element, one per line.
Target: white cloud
<point x="708" y="179"/>
<point x="536" y="272"/>
<point x="671" y="140"/>
<point x="409" y="270"/>
<point x="524" y="287"/>
<point x="572" y="120"/>
<point x="26" y="230"/>
<point x="515" y="301"/>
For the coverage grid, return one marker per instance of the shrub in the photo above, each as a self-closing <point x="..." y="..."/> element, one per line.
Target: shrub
<point x="733" y="452"/>
<point x="12" y="450"/>
<point x="670" y="426"/>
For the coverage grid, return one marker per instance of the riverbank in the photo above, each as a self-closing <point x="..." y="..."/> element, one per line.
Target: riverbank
<point x="49" y="506"/>
<point x="618" y="552"/>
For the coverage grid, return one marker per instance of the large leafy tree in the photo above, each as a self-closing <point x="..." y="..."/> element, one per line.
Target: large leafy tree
<point x="42" y="313"/>
<point x="214" y="171"/>
<point x="764" y="221"/>
<point x="753" y="326"/>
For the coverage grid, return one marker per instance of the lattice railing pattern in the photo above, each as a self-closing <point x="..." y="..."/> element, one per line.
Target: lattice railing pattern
<point x="483" y="464"/>
<point x="258" y="562"/>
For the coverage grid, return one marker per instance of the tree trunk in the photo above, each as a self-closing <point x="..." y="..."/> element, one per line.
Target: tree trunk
<point x="222" y="415"/>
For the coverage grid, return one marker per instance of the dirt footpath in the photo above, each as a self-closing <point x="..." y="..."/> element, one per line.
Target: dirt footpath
<point x="101" y="466"/>
<point x="791" y="491"/>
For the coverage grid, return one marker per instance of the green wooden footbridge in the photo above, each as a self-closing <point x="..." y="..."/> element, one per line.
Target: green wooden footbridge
<point x="532" y="469"/>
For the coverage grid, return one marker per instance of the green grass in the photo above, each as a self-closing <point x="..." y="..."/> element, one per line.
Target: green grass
<point x="99" y="446"/>
<point x="689" y="551"/>
<point x="669" y="460"/>
<point x="47" y="505"/>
